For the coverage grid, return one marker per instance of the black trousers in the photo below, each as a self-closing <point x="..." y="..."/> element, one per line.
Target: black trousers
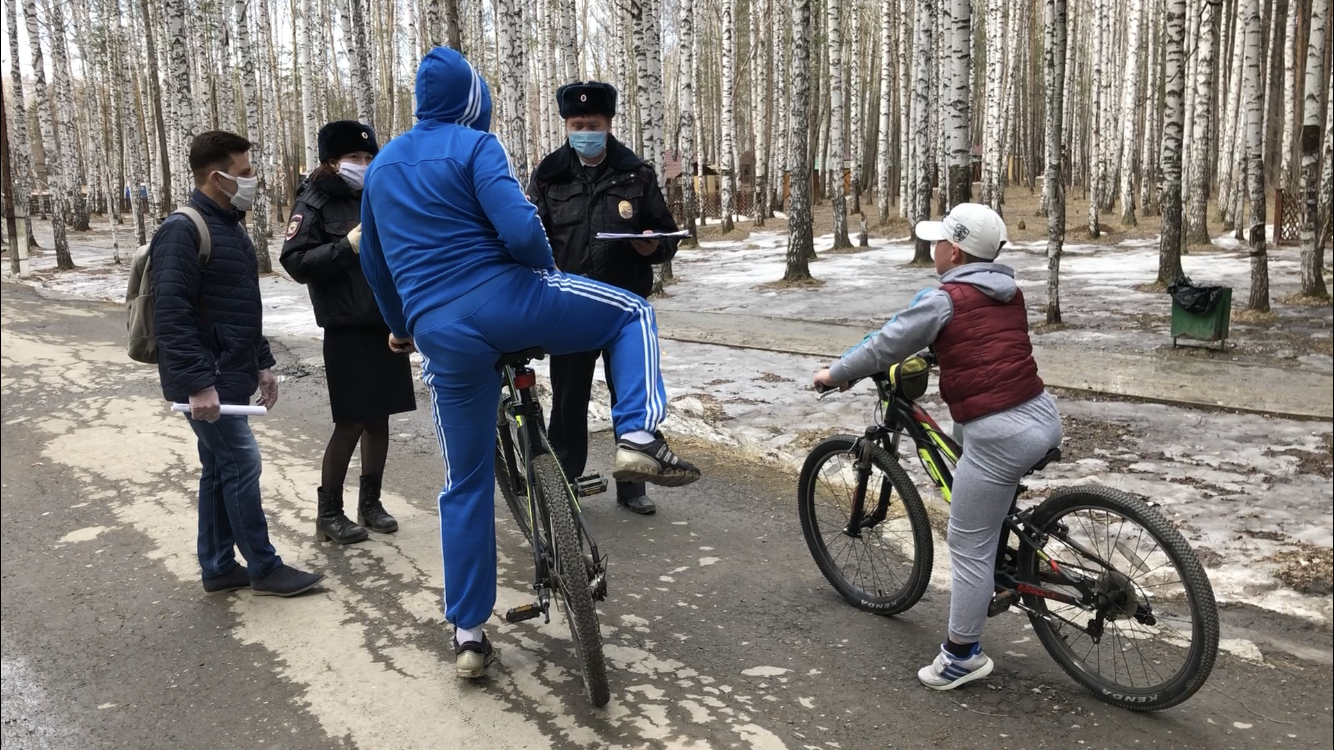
<point x="572" y="387"/>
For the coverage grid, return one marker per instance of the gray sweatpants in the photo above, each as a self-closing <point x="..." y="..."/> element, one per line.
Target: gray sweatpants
<point x="997" y="450"/>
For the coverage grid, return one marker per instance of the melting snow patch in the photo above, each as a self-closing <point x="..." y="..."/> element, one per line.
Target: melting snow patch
<point x="764" y="671"/>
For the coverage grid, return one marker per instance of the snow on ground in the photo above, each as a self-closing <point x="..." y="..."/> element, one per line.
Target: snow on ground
<point x="1231" y="483"/>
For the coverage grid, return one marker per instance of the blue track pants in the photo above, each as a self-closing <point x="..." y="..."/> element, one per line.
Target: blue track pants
<point x="460" y="344"/>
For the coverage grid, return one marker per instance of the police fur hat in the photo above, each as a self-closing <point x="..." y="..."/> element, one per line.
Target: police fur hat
<point x="344" y="137"/>
<point x="586" y="98"/>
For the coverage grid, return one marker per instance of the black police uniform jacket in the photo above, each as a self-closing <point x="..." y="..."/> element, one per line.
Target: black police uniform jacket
<point x="318" y="254"/>
<point x="621" y="195"/>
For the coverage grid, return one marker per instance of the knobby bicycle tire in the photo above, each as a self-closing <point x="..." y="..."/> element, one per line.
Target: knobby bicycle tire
<point x="915" y="586"/>
<point x="572" y="578"/>
<point x="1204" y="610"/>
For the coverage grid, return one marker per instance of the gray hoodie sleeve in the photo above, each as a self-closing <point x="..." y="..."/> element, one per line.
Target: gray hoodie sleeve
<point x="907" y="333"/>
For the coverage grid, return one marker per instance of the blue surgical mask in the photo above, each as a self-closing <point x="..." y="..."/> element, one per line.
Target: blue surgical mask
<point x="588" y="143"/>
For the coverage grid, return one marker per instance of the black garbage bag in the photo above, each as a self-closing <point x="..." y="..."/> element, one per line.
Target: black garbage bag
<point x="1196" y="299"/>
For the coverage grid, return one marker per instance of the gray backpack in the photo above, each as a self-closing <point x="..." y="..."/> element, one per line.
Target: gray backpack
<point x="142" y="345"/>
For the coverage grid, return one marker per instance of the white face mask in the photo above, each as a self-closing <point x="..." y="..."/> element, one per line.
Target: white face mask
<point x="244" y="197"/>
<point x="353" y="174"/>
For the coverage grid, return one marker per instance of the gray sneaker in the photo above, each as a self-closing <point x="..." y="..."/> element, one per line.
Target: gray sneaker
<point x="654" y="463"/>
<point x="472" y="658"/>
<point x="285" y="581"/>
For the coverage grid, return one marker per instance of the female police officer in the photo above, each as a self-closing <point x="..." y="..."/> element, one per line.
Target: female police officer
<point x="367" y="382"/>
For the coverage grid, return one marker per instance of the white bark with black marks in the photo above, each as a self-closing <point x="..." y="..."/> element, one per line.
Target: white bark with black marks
<point x="49" y="163"/>
<point x="1169" y="247"/>
<point x="727" y="159"/>
<point x="1253" y="97"/>
<point x="834" y="165"/>
<point x="1198" y="226"/>
<point x="1053" y="183"/>
<point x="923" y="28"/>
<point x="956" y="21"/>
<point x="20" y="150"/>
<point x="1313" y="261"/>
<point x="1130" y="96"/>
<point x="800" y="242"/>
<point x="882" y="162"/>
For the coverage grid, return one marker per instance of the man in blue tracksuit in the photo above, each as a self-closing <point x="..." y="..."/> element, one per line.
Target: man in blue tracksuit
<point x="461" y="268"/>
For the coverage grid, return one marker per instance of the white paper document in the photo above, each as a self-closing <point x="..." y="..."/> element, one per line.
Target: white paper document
<point x="649" y="236"/>
<point x="229" y="410"/>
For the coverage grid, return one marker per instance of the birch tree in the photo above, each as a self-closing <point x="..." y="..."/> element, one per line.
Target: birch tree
<point x="727" y="158"/>
<point x="762" y="114"/>
<point x="1169" y="245"/>
<point x="1198" y="225"/>
<point x="182" y="117"/>
<point x="686" y="134"/>
<point x="20" y="151"/>
<point x="1313" y="262"/>
<point x="308" y="115"/>
<point x="957" y="22"/>
<point x="991" y="137"/>
<point x="800" y="242"/>
<point x="886" y="94"/>
<point x="921" y="102"/>
<point x="856" y="89"/>
<point x="1287" y="173"/>
<point x="1129" y="101"/>
<point x="250" y="93"/>
<point x="48" y="163"/>
<point x="1254" y="97"/>
<point x="510" y="34"/>
<point x="1053" y="182"/>
<point x="834" y="165"/>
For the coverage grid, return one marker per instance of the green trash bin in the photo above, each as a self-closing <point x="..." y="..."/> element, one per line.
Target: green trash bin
<point x="1208" y="326"/>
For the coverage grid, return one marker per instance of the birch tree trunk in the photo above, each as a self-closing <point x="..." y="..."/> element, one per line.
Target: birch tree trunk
<point x="1287" y="179"/>
<point x="654" y="115"/>
<point x="907" y="187"/>
<point x="21" y="152"/>
<point x="1129" y="107"/>
<point x="453" y="33"/>
<point x="1325" y="228"/>
<point x="1169" y="247"/>
<point x="727" y="159"/>
<point x="1227" y="164"/>
<point x="1097" y="162"/>
<point x="921" y="209"/>
<point x="1313" y="261"/>
<point x="1254" y="97"/>
<point x="159" y="120"/>
<point x="183" y="118"/>
<point x="991" y="140"/>
<point x="359" y="52"/>
<point x="309" y="123"/>
<point x="569" y="51"/>
<point x="857" y="94"/>
<point x="1204" y="111"/>
<point x="800" y="242"/>
<point x="1053" y="182"/>
<point x="510" y="31"/>
<point x="250" y="93"/>
<point x="957" y="24"/>
<point x="761" y="115"/>
<point x="49" y="162"/>
<point x="686" y="138"/>
<point x="834" y="165"/>
<point x="72" y="168"/>
<point x="884" y="142"/>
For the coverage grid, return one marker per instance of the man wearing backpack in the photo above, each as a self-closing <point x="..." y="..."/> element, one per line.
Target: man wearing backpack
<point x="207" y="323"/>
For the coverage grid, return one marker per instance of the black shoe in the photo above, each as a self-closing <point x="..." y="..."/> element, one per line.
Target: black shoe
<point x="285" y="581"/>
<point x="653" y="463"/>
<point x="472" y="658"/>
<point x="237" y="578"/>
<point x="370" y="513"/>
<point x="641" y="505"/>
<point x="331" y="524"/>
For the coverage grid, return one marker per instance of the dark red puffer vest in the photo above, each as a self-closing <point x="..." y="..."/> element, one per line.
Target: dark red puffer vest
<point x="986" y="359"/>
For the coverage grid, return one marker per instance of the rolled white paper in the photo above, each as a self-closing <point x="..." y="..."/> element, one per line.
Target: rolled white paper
<point x="229" y="410"/>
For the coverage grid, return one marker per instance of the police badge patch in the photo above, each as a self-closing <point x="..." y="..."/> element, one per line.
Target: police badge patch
<point x="293" y="226"/>
<point x="626" y="209"/>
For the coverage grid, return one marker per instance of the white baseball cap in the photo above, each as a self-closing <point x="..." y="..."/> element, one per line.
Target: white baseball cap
<point x="975" y="228"/>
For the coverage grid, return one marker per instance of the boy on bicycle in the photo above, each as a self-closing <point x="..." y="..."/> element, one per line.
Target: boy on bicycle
<point x="978" y="327"/>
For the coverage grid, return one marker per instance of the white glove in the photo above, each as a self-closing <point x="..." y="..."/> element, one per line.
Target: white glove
<point x="354" y="239"/>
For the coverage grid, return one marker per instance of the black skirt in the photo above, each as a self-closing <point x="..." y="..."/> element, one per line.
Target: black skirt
<point x="367" y="382"/>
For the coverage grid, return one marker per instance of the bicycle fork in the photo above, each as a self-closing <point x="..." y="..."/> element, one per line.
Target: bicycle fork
<point x="858" y="519"/>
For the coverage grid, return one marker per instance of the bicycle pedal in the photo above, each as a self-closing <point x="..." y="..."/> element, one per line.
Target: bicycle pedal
<point x="1002" y="601"/>
<point x="523" y="612"/>
<point x="590" y="484"/>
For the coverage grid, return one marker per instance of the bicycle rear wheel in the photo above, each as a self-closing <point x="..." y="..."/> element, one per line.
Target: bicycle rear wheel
<point x="572" y="577"/>
<point x="883" y="565"/>
<point x="509" y="472"/>
<point x="1145" y="633"/>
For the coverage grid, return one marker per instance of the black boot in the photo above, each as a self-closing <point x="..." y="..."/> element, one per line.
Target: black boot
<point x="333" y="525"/>
<point x="370" y="513"/>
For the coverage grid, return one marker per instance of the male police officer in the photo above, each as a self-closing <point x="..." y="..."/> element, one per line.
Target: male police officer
<point x="595" y="184"/>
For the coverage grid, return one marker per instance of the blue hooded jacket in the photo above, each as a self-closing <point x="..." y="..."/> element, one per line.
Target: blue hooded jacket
<point x="441" y="212"/>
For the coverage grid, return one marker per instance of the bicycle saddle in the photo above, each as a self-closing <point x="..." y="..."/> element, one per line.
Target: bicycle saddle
<point x="520" y="358"/>
<point x="1052" y="457"/>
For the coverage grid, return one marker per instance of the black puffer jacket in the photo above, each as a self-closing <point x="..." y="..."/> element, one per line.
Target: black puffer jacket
<point x="208" y="320"/>
<point x="318" y="255"/>
<point x="620" y="195"/>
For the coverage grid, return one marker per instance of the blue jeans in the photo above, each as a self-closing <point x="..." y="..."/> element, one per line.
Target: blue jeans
<point x="229" y="511"/>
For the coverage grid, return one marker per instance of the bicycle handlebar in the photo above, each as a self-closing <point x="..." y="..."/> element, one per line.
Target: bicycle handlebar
<point x="824" y="390"/>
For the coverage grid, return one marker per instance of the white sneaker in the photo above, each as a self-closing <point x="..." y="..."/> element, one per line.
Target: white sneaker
<point x="949" y="671"/>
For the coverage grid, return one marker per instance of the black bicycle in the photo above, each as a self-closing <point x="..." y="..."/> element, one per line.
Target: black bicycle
<point x="1113" y="591"/>
<point x="546" y="507"/>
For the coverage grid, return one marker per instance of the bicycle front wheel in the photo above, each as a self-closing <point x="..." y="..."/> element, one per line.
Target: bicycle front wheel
<point x="572" y="577"/>
<point x="882" y="565"/>
<point x="1138" y="626"/>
